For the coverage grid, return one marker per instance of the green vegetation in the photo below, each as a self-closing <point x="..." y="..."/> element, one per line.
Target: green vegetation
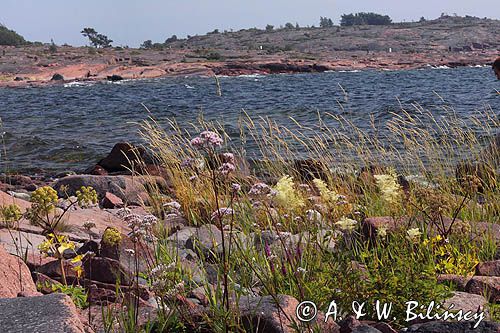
<point x="296" y="223"/>
<point x="96" y="39"/>
<point x="325" y="22"/>
<point x="10" y="37"/>
<point x="364" y="19"/>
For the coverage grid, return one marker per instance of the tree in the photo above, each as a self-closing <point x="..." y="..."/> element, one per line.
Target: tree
<point x="269" y="27"/>
<point x="53" y="46"/>
<point x="365" y="19"/>
<point x="96" y="39"/>
<point x="325" y="22"/>
<point x="10" y="37"/>
<point x="289" y="26"/>
<point x="148" y="44"/>
<point x="171" y="39"/>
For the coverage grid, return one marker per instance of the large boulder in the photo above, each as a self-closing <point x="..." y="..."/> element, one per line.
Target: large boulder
<point x="98" y="269"/>
<point x="467" y="302"/>
<point x="485" y="285"/>
<point x="206" y="241"/>
<point x="132" y="190"/>
<point x="454" y="327"/>
<point x="124" y="157"/>
<point x="262" y="314"/>
<point x="15" y="276"/>
<point x="53" y="313"/>
<point x="488" y="268"/>
<point x="122" y="249"/>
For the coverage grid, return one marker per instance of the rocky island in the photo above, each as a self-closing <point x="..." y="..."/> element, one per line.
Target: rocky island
<point x="447" y="41"/>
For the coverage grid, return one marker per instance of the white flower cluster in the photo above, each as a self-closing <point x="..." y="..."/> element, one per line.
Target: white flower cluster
<point x="141" y="226"/>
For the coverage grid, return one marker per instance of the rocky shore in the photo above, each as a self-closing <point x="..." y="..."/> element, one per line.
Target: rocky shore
<point x="72" y="65"/>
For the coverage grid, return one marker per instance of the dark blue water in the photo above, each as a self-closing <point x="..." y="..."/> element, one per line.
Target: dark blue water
<point x="70" y="127"/>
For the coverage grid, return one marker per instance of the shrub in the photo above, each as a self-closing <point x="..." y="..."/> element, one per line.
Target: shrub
<point x="365" y="19"/>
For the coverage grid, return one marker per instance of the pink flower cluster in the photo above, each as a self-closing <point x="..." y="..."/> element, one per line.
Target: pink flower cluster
<point x="219" y="214"/>
<point x="207" y="139"/>
<point x="227" y="168"/>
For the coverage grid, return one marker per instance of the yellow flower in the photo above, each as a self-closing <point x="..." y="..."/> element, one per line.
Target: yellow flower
<point x="86" y="196"/>
<point x="78" y="270"/>
<point x="44" y="198"/>
<point x="65" y="246"/>
<point x="45" y="246"/>
<point x="111" y="236"/>
<point x="77" y="259"/>
<point x="10" y="213"/>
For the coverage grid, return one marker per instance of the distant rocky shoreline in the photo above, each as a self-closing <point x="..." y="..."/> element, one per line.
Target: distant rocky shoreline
<point x="114" y="68"/>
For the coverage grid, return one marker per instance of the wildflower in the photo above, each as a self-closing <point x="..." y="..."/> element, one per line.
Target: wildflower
<point x="88" y="225"/>
<point x="259" y="189"/>
<point x="44" y="198"/>
<point x="346" y="224"/>
<point x="301" y="270"/>
<point x="207" y="139"/>
<point x="160" y="270"/>
<point x="227" y="168"/>
<point x="328" y="196"/>
<point x="197" y="142"/>
<point x="313" y="215"/>
<point x="173" y="205"/>
<point x="133" y="220"/>
<point x="228" y="158"/>
<point x="413" y="234"/>
<point x="235" y="187"/>
<point x="149" y="221"/>
<point x="389" y="187"/>
<point x="10" y="213"/>
<point x="193" y="163"/>
<point x="77" y="259"/>
<point x="86" y="196"/>
<point x="272" y="193"/>
<point x="111" y="236"/>
<point x="130" y="251"/>
<point x="221" y="212"/>
<point x="122" y="212"/>
<point x="305" y="187"/>
<point x="287" y="196"/>
<point x="78" y="270"/>
<point x="382" y="231"/>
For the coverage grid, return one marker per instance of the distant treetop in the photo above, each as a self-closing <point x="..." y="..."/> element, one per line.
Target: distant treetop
<point x="96" y="39"/>
<point x="325" y="22"/>
<point x="10" y="37"/>
<point x="364" y="19"/>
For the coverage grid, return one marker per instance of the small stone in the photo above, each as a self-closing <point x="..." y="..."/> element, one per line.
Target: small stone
<point x="111" y="201"/>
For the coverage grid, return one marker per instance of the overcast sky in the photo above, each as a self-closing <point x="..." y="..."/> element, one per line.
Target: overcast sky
<point x="130" y="22"/>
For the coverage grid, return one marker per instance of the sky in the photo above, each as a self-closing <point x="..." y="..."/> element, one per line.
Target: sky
<point x="130" y="22"/>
